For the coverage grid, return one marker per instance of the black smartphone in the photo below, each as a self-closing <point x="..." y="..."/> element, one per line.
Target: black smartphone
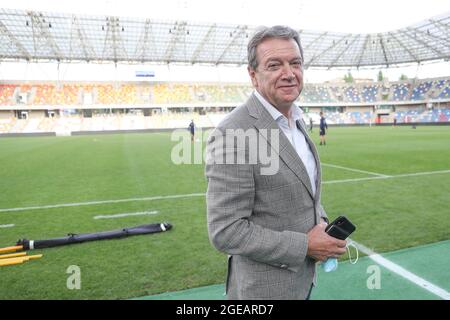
<point x="340" y="228"/>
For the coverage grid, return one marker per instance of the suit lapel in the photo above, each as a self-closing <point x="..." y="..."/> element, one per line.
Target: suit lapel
<point x="286" y="151"/>
<point x="301" y="127"/>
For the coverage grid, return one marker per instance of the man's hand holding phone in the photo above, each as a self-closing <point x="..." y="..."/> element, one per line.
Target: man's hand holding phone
<point x="322" y="246"/>
<point x="328" y="241"/>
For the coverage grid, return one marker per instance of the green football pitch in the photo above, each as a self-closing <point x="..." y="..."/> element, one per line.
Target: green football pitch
<point x="367" y="279"/>
<point x="393" y="183"/>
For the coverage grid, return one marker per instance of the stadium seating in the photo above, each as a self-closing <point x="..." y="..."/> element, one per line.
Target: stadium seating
<point x="352" y="94"/>
<point x="71" y="94"/>
<point x="369" y="93"/>
<point x="444" y="89"/>
<point x="419" y="92"/>
<point x="315" y="94"/>
<point x="180" y="120"/>
<point x="6" y="93"/>
<point x="426" y="94"/>
<point x="401" y="92"/>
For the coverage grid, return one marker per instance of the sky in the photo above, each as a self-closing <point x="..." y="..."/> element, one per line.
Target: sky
<point x="355" y="16"/>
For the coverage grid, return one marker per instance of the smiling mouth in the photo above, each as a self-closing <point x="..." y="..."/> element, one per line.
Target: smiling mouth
<point x="288" y="86"/>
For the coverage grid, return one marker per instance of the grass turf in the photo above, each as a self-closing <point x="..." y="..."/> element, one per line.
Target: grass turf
<point x="37" y="171"/>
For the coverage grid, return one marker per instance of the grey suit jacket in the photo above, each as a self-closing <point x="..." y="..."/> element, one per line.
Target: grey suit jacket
<point x="261" y="220"/>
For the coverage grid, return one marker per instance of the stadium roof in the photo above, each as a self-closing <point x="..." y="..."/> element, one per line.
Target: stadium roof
<point x="42" y="36"/>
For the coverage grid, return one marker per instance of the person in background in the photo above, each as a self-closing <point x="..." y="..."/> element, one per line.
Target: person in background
<point x="192" y="130"/>
<point x="323" y="128"/>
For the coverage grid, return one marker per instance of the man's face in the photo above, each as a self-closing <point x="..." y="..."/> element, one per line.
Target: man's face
<point x="279" y="75"/>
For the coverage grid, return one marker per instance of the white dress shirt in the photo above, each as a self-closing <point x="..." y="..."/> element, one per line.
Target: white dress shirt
<point x="294" y="135"/>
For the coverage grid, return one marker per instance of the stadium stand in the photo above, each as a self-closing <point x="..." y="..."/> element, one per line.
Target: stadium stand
<point x="420" y="91"/>
<point x="67" y="107"/>
<point x="444" y="89"/>
<point x="316" y="94"/>
<point x="370" y="93"/>
<point x="6" y="93"/>
<point x="401" y="91"/>
<point x="174" y="93"/>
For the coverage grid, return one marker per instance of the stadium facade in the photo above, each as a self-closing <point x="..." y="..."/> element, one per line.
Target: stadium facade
<point x="41" y="36"/>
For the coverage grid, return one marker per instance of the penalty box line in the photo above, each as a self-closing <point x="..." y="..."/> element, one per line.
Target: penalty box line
<point x="387" y="177"/>
<point x="90" y="203"/>
<point x="189" y="195"/>
<point x="353" y="170"/>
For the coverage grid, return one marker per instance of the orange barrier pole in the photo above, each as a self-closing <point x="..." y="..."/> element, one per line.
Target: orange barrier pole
<point x="11" y="249"/>
<point x="19" y="260"/>
<point x="13" y="255"/>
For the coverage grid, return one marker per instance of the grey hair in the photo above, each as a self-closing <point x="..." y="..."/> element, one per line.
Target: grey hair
<point x="263" y="33"/>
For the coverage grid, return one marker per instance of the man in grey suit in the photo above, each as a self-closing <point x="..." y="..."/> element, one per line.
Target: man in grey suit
<point x="269" y="222"/>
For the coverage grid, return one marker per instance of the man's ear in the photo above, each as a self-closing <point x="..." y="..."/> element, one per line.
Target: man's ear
<point x="252" y="74"/>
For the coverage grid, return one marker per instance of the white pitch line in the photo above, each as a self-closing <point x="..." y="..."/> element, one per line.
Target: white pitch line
<point x="7" y="225"/>
<point x="202" y="194"/>
<point x="356" y="180"/>
<point x="403" y="272"/>
<point x="388" y="177"/>
<point x="62" y="205"/>
<point x="122" y="215"/>
<point x="354" y="170"/>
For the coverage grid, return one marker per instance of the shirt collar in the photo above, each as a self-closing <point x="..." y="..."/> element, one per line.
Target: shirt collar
<point x="296" y="112"/>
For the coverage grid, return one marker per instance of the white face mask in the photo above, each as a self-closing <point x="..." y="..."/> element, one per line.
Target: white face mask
<point x="332" y="263"/>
